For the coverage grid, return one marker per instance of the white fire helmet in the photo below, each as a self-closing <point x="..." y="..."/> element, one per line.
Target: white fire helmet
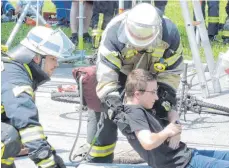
<point x="143" y="25"/>
<point x="46" y="41"/>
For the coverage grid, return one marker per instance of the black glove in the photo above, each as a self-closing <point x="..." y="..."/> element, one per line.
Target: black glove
<point x="59" y="161"/>
<point x="166" y="101"/>
<point x="114" y="105"/>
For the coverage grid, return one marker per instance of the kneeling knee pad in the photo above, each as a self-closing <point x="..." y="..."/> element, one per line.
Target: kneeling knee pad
<point x="11" y="140"/>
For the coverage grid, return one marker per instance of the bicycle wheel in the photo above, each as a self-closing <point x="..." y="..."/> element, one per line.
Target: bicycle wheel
<point x="213" y="108"/>
<point x="66" y="97"/>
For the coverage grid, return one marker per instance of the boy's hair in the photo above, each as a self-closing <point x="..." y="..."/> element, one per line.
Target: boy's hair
<point x="137" y="81"/>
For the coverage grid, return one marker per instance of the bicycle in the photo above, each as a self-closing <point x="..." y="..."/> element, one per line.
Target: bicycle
<point x="186" y="101"/>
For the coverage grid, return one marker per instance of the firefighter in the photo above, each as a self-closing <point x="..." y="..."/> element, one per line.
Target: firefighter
<point x="103" y="12"/>
<point x="225" y="35"/>
<point x="160" y="4"/>
<point x="62" y="12"/>
<point x="23" y="69"/>
<point x="138" y="38"/>
<point x="213" y="18"/>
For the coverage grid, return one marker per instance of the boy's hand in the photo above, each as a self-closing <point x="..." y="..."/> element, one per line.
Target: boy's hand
<point x="173" y="129"/>
<point x="173" y="116"/>
<point x="174" y="141"/>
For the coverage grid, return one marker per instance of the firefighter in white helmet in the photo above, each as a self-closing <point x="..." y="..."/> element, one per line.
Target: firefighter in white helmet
<point x="23" y="69"/>
<point x="138" y="38"/>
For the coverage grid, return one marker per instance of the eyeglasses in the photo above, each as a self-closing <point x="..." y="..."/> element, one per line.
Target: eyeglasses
<point x="152" y="91"/>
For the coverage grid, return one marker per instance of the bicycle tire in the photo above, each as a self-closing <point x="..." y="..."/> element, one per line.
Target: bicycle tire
<point x="221" y="110"/>
<point x="66" y="97"/>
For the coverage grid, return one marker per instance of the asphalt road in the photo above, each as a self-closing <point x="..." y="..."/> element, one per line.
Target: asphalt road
<point x="60" y="121"/>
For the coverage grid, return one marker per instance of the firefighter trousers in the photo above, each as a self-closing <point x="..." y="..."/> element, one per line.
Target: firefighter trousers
<point x="213" y="16"/>
<point x="102" y="151"/>
<point x="160" y="4"/>
<point x="10" y="145"/>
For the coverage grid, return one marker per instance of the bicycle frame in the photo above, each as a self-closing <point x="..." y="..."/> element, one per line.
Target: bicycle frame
<point x="187" y="102"/>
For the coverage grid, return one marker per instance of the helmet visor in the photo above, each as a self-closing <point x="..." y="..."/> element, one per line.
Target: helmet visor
<point x="141" y="35"/>
<point x="56" y="44"/>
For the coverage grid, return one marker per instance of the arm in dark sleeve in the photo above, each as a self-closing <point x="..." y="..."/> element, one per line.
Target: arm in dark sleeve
<point x="23" y="115"/>
<point x="174" y="59"/>
<point x="20" y="109"/>
<point x="227" y="8"/>
<point x="108" y="63"/>
<point x="175" y="49"/>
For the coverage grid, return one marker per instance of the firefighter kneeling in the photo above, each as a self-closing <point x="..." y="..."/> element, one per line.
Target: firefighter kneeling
<point x="23" y="69"/>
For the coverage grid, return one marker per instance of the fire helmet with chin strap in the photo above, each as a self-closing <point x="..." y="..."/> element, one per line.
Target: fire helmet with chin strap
<point x="143" y="25"/>
<point x="42" y="41"/>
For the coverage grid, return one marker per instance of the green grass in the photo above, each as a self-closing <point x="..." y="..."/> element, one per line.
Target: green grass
<point x="173" y="11"/>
